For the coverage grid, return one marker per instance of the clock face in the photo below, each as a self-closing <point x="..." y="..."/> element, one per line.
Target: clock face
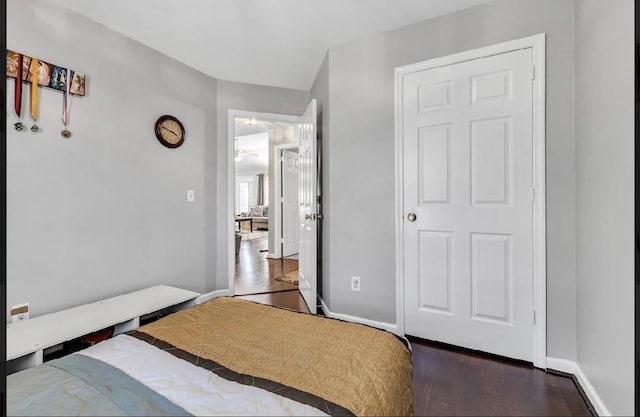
<point x="169" y="131"/>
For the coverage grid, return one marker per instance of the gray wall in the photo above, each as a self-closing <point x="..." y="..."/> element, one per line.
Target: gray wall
<point x="362" y="150"/>
<point x="249" y="97"/>
<point x="105" y="212"/>
<point x="604" y="198"/>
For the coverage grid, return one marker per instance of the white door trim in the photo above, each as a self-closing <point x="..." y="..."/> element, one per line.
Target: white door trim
<point x="231" y="175"/>
<point x="537" y="44"/>
<point x="277" y="191"/>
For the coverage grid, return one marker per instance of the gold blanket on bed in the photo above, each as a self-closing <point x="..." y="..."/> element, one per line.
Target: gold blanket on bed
<point x="365" y="370"/>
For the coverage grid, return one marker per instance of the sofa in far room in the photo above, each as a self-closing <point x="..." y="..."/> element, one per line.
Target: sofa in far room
<point x="260" y="216"/>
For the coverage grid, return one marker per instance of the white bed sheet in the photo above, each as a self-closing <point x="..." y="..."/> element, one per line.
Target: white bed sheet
<point x="197" y="390"/>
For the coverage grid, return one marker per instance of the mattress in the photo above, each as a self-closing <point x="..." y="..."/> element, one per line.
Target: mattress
<point x="226" y="357"/>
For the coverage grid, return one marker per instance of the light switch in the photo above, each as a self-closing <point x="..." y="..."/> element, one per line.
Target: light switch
<point x="191" y="195"/>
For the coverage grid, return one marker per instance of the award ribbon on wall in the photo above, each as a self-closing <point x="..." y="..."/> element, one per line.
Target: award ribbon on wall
<point x="18" y="93"/>
<point x="65" y="106"/>
<point x="34" y="94"/>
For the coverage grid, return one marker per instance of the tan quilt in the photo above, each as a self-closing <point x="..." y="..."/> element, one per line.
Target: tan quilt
<point x="351" y="368"/>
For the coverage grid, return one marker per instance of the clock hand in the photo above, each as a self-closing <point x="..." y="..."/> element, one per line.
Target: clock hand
<point x="170" y="131"/>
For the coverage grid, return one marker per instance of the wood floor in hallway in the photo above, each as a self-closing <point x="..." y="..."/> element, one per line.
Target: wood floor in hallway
<point x="255" y="274"/>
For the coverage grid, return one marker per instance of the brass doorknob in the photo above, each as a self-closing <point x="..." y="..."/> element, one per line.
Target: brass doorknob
<point x="411" y="217"/>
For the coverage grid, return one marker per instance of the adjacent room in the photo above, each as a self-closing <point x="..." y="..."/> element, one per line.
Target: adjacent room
<point x="266" y="250"/>
<point x="320" y="207"/>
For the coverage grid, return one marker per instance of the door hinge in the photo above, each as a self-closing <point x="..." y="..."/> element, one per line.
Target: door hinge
<point x="533" y="194"/>
<point x="533" y="72"/>
<point x="534" y="316"/>
<point x="282" y="240"/>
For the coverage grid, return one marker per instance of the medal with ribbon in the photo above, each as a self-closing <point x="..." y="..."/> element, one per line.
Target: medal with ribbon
<point x="65" y="105"/>
<point x="34" y="93"/>
<point x="18" y="93"/>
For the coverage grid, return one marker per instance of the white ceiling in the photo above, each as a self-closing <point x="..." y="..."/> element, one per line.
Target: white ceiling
<point x="279" y="43"/>
<point x="243" y="129"/>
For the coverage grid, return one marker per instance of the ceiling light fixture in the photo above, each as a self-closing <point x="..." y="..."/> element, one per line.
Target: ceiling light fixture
<point x="250" y="122"/>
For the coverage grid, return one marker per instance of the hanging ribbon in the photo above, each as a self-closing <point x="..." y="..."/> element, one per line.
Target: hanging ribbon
<point x="65" y="97"/>
<point x="34" y="93"/>
<point x="18" y="87"/>
<point x="18" y="94"/>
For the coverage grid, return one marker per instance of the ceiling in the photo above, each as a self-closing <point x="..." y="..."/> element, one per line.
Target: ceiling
<point x="256" y="126"/>
<point x="278" y="43"/>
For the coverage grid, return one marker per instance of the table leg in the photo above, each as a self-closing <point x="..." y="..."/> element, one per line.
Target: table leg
<point x="251" y="225"/>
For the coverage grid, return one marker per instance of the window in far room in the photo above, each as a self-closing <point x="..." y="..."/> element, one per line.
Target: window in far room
<point x="244" y="194"/>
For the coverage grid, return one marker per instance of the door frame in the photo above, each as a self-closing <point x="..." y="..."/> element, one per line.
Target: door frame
<point x="231" y="174"/>
<point x="277" y="191"/>
<point x="537" y="44"/>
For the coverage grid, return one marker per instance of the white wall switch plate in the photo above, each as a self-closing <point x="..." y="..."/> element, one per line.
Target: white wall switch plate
<point x="191" y="196"/>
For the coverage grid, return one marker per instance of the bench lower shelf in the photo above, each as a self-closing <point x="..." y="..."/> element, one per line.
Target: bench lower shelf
<point x="31" y="342"/>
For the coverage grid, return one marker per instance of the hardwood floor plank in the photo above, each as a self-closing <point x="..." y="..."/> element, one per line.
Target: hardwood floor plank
<point x="440" y="408"/>
<point x="573" y="398"/>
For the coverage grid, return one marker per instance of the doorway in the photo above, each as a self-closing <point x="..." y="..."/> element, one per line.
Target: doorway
<point x="255" y="268"/>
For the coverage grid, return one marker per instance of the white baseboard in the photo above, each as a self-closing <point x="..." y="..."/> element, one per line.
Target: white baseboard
<point x="211" y="295"/>
<point x="378" y="324"/>
<point x="272" y="256"/>
<point x="570" y="367"/>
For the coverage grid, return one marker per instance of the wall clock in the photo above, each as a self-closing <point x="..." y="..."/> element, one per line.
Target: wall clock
<point x="169" y="131"/>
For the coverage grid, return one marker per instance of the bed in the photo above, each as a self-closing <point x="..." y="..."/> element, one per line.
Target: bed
<point x="226" y="357"/>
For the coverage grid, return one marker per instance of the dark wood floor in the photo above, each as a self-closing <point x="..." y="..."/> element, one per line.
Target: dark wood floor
<point x="463" y="383"/>
<point x="456" y="382"/>
<point x="255" y="274"/>
<point x="287" y="299"/>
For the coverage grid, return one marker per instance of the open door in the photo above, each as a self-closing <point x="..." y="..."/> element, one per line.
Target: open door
<point x="308" y="236"/>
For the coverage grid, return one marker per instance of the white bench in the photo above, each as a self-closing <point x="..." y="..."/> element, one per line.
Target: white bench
<point x="27" y="340"/>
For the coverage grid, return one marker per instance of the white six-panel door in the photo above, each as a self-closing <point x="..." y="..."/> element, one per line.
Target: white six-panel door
<point x="307" y="220"/>
<point x="290" y="196"/>
<point x="467" y="173"/>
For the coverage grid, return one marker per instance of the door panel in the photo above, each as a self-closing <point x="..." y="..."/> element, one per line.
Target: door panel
<point x="467" y="160"/>
<point x="490" y="161"/>
<point x="435" y="271"/>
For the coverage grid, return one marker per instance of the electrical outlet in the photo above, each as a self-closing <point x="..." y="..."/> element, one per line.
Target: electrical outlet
<point x="19" y="312"/>
<point x="355" y="283"/>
